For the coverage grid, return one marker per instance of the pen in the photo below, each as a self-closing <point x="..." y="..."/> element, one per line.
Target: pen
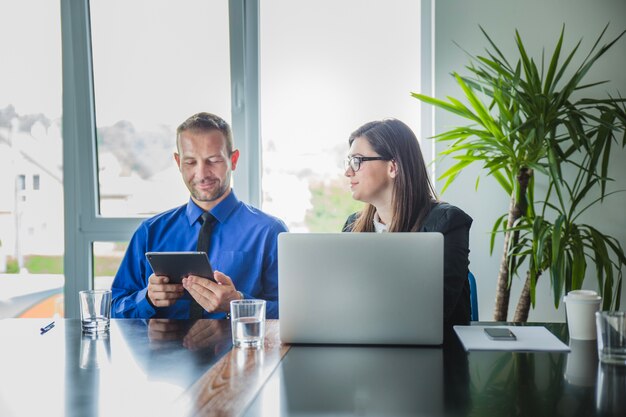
<point x="46" y="328"/>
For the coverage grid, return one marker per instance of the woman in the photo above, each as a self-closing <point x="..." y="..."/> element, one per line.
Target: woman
<point x="387" y="171"/>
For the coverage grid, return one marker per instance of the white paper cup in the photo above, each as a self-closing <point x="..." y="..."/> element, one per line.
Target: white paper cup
<point x="581" y="306"/>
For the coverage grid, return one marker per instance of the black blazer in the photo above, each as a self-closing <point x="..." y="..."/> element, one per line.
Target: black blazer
<point x="454" y="224"/>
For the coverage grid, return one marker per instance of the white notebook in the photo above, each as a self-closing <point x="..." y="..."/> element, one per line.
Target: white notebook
<point x="529" y="338"/>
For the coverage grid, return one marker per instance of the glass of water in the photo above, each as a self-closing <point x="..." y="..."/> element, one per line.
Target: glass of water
<point x="248" y="323"/>
<point x="611" y="326"/>
<point x="95" y="310"/>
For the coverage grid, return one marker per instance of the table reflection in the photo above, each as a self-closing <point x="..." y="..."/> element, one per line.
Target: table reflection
<point x="332" y="380"/>
<point x="611" y="390"/>
<point x="196" y="335"/>
<point x="582" y="363"/>
<point x="141" y="367"/>
<point x="178" y="351"/>
<point x="243" y="359"/>
<point x="95" y="350"/>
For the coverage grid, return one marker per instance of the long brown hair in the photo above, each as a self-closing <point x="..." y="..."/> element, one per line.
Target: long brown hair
<point x="413" y="193"/>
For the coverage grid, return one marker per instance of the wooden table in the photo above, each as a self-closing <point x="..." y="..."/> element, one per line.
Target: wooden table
<point x="187" y="368"/>
<point x="229" y="387"/>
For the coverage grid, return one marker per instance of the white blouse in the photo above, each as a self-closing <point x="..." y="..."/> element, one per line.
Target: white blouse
<point x="378" y="226"/>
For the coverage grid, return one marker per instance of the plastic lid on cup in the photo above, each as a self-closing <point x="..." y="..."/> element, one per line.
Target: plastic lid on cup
<point x="582" y="296"/>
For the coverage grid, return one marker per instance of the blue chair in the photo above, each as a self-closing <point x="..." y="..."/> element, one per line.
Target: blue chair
<point x="473" y="297"/>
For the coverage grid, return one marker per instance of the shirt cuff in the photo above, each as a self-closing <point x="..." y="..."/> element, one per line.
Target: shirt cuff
<point x="144" y="308"/>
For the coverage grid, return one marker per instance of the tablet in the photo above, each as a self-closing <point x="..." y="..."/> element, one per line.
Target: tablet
<point x="178" y="265"/>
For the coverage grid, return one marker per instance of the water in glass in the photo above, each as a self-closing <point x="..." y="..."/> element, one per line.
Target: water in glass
<point x="249" y="331"/>
<point x="96" y="324"/>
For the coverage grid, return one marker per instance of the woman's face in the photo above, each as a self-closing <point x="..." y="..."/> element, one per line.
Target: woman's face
<point x="373" y="182"/>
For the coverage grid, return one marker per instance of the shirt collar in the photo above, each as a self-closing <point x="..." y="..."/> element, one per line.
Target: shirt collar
<point x="220" y="212"/>
<point x="378" y="226"/>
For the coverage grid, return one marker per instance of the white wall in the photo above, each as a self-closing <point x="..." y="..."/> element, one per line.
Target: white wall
<point x="539" y="23"/>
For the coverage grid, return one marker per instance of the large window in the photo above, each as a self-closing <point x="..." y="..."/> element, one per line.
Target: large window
<point x="31" y="164"/>
<point x="134" y="70"/>
<point x="327" y="67"/>
<point x="156" y="62"/>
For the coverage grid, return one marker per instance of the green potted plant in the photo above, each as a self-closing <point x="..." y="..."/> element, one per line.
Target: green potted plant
<point x="527" y="121"/>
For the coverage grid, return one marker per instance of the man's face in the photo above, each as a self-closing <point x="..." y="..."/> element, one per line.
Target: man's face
<point x="205" y="165"/>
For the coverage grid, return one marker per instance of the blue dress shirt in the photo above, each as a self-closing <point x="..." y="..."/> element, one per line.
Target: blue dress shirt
<point x="243" y="246"/>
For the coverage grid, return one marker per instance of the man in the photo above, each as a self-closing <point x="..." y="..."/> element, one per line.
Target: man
<point x="243" y="241"/>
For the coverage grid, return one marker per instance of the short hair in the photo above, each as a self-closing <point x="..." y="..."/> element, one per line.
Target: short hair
<point x="205" y="122"/>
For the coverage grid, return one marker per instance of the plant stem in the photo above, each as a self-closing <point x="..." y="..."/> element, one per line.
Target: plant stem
<point x="523" y="304"/>
<point x="517" y="208"/>
<point x="503" y="291"/>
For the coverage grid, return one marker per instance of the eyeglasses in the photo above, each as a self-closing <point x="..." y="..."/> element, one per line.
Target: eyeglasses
<point x="354" y="162"/>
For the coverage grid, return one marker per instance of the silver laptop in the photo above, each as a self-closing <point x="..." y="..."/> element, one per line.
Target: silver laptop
<point x="361" y="288"/>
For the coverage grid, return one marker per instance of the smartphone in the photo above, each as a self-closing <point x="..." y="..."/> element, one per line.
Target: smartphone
<point x="178" y="265"/>
<point x="498" y="333"/>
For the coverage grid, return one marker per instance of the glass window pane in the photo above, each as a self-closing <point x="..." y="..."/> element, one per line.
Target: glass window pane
<point x="107" y="257"/>
<point x="31" y="239"/>
<point x="21" y="182"/>
<point x="156" y="62"/>
<point x="343" y="63"/>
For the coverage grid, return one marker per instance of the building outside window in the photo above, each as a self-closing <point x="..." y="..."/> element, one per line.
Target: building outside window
<point x="31" y="223"/>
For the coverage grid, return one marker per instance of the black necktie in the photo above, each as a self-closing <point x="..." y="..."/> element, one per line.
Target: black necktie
<point x="204" y="244"/>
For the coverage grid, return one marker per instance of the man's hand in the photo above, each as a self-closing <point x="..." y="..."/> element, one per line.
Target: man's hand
<point x="210" y="295"/>
<point x="162" y="294"/>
